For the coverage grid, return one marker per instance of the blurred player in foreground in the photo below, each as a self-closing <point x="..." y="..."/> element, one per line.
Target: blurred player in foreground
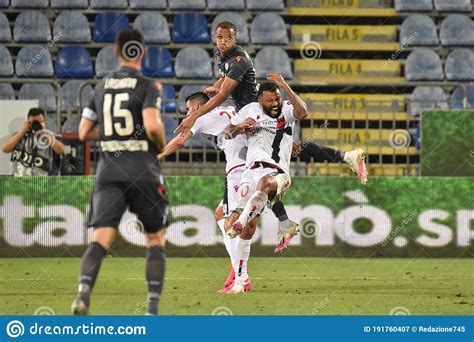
<point x="124" y="107"/>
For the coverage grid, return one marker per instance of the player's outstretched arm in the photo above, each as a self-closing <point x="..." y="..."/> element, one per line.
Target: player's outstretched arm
<point x="235" y="130"/>
<point x="155" y="130"/>
<point x="300" y="110"/>
<point x="226" y="89"/>
<point x="174" y="145"/>
<point x="214" y="89"/>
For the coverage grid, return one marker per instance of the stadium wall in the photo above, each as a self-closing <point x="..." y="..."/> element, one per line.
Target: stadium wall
<point x="391" y="217"/>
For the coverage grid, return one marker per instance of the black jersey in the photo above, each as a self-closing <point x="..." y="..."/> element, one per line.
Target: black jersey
<point x="117" y="106"/>
<point x="238" y="65"/>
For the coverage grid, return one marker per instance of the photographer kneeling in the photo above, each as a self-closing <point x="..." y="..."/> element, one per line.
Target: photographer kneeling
<point x="33" y="147"/>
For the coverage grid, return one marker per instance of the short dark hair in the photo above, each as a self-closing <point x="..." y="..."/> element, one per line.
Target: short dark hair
<point x="267" y="86"/>
<point x="199" y="95"/>
<point x="227" y="25"/>
<point x="35" y="112"/>
<point x="130" y="43"/>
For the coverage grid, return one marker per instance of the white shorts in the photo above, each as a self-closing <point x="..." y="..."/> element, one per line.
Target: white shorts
<point x="250" y="179"/>
<point x="231" y="192"/>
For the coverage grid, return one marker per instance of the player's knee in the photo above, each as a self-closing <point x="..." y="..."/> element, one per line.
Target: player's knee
<point x="219" y="213"/>
<point x="156" y="239"/>
<point x="267" y="184"/>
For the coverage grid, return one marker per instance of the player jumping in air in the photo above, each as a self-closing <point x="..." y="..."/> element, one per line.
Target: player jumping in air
<point x="124" y="107"/>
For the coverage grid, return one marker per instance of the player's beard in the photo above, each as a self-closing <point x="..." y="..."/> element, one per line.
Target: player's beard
<point x="271" y="113"/>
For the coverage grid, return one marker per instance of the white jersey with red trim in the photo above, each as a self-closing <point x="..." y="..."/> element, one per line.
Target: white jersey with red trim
<point x="271" y="139"/>
<point x="213" y="126"/>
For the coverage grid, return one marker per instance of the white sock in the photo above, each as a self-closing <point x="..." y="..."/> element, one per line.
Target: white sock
<point x="253" y="207"/>
<point x="230" y="244"/>
<point x="242" y="258"/>
<point x="285" y="224"/>
<point x="346" y="158"/>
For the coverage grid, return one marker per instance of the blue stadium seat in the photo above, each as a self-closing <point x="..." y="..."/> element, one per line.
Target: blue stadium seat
<point x="73" y="62"/>
<point x="457" y="99"/>
<point x="6" y="91"/>
<point x="193" y="62"/>
<point x="5" y="32"/>
<point x="423" y="65"/>
<point x="268" y="28"/>
<point x="190" y="28"/>
<point x="105" y="62"/>
<point x="459" y="65"/>
<point x="107" y="25"/>
<point x="425" y="97"/>
<point x="72" y="27"/>
<point x="187" y="4"/>
<point x="170" y="125"/>
<point x="70" y="4"/>
<point x="168" y="97"/>
<point x="418" y="30"/>
<point x="43" y="92"/>
<point x="184" y="92"/>
<point x="109" y="4"/>
<point x="157" y="62"/>
<point x="6" y="63"/>
<point x="457" y="30"/>
<point x="69" y="92"/>
<point x="226" y="5"/>
<point x="34" y="61"/>
<point x="31" y="27"/>
<point x="30" y="3"/>
<point x="413" y="5"/>
<point x="148" y="4"/>
<point x="453" y="5"/>
<point x="273" y="59"/>
<point x="267" y="5"/>
<point x="4" y="3"/>
<point x="154" y="27"/>
<point x="239" y="22"/>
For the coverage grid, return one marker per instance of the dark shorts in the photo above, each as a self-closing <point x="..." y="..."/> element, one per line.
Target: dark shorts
<point x="145" y="199"/>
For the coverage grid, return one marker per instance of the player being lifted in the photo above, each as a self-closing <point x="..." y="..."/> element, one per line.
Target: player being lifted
<point x="214" y="127"/>
<point x="238" y="81"/>
<point x="270" y="143"/>
<point x="124" y="108"/>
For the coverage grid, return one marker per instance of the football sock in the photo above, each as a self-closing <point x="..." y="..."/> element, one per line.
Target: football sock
<point x="91" y="261"/>
<point x="253" y="207"/>
<point x="155" y="275"/>
<point x="228" y="242"/>
<point x="243" y="253"/>
<point x="312" y="152"/>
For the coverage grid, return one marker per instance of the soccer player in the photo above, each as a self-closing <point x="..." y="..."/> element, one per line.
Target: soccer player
<point x="270" y="143"/>
<point x="238" y="80"/>
<point x="214" y="127"/>
<point x="124" y="116"/>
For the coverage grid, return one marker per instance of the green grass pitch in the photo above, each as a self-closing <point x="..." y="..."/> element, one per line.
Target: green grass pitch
<point x="282" y="285"/>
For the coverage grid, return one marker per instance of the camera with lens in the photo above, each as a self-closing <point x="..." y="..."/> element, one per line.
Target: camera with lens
<point x="35" y="126"/>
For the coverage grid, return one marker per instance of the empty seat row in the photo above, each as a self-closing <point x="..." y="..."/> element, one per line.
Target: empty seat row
<point x="73" y="27"/>
<point x="75" y="62"/>
<point x="420" y="30"/>
<point x="426" y="97"/>
<point x="149" y="4"/>
<point x="430" y="5"/>
<point x="425" y="65"/>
